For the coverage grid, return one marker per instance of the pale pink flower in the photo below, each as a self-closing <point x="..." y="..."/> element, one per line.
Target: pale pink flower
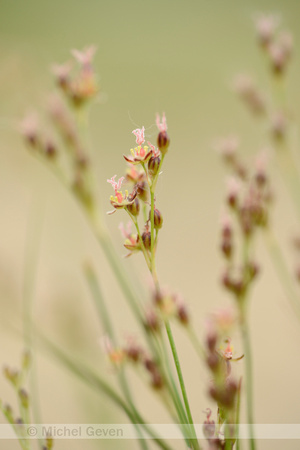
<point x="120" y="200"/>
<point x="62" y="71"/>
<point x="161" y="125"/>
<point x="140" y="135"/>
<point x="155" y="151"/>
<point x="85" y="57"/>
<point x="233" y="187"/>
<point x="117" y="186"/>
<point x="29" y="127"/>
<point x="126" y="231"/>
<point x="266" y="26"/>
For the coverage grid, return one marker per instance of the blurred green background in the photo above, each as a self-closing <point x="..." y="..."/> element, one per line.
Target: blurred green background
<point x="173" y="56"/>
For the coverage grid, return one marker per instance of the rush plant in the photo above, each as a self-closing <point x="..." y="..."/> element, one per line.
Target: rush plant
<point x="248" y="213"/>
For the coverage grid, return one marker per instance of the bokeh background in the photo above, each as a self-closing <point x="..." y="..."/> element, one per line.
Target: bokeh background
<point x="173" y="56"/>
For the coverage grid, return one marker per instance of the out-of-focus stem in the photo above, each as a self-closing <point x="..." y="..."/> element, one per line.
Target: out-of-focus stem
<point x="93" y="380"/>
<point x="290" y="174"/>
<point x="30" y="268"/>
<point x="249" y="377"/>
<point x="282" y="271"/>
<point x="108" y="328"/>
<point x="237" y="416"/>
<point x="195" y="342"/>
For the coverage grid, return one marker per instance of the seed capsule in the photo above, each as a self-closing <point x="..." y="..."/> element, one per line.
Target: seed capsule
<point x="163" y="142"/>
<point x="153" y="165"/>
<point x="134" y="208"/>
<point x="158" y="219"/>
<point x="146" y="236"/>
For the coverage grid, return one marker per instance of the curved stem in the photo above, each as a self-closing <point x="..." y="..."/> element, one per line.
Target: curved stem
<point x="92" y="379"/>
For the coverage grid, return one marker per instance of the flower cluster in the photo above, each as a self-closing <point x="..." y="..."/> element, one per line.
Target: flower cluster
<point x="248" y="199"/>
<point x="224" y="388"/>
<point x="142" y="173"/>
<point x="133" y="353"/>
<point x="277" y="45"/>
<point x="18" y="378"/>
<point x="64" y="138"/>
<point x="82" y="86"/>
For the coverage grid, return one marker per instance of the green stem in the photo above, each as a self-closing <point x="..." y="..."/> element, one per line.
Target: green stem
<point x="94" y="380"/>
<point x="182" y="385"/>
<point x="195" y="342"/>
<point x="146" y="256"/>
<point x="31" y="262"/>
<point x="237" y="416"/>
<point x="194" y="441"/>
<point x="249" y="378"/>
<point x="173" y="388"/>
<point x="290" y="174"/>
<point x="108" y="328"/>
<point x="23" y="443"/>
<point x="153" y="267"/>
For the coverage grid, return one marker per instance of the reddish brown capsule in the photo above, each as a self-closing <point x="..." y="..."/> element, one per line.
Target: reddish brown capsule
<point x="146" y="236"/>
<point x="50" y="149"/>
<point x="163" y="142"/>
<point x="157" y="381"/>
<point x="134" y="208"/>
<point x="142" y="191"/>
<point x="183" y="315"/>
<point x="153" y="165"/>
<point x="133" y="352"/>
<point x="158" y="219"/>
<point x="213" y="362"/>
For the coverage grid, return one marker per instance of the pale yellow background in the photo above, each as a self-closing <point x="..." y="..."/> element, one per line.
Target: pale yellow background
<point x="173" y="56"/>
